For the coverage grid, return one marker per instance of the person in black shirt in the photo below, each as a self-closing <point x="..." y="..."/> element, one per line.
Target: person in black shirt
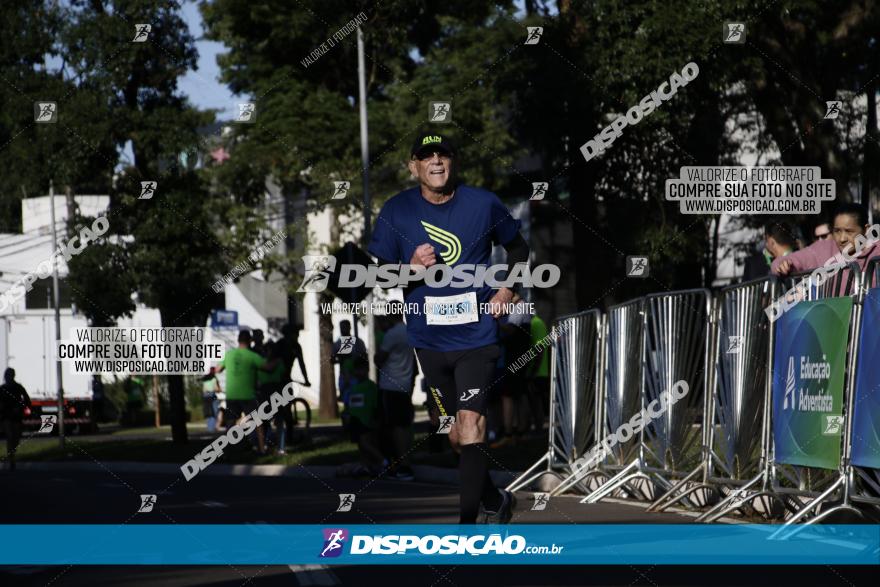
<point x="13" y="401"/>
<point x="290" y="351"/>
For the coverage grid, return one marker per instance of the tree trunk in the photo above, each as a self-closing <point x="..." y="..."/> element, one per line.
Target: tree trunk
<point x="177" y="396"/>
<point x="327" y="407"/>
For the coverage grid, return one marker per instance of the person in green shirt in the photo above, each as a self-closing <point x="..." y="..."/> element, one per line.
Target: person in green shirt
<point x="242" y="365"/>
<point x="362" y="417"/>
<point x="538" y="373"/>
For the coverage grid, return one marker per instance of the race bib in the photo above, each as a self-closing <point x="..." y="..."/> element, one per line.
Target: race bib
<point x="450" y="310"/>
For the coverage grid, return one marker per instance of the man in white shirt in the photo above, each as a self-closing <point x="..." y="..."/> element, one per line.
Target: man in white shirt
<point x="396" y="365"/>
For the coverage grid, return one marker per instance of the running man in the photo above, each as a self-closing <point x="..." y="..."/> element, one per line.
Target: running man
<point x="439" y="222"/>
<point x="14" y="400"/>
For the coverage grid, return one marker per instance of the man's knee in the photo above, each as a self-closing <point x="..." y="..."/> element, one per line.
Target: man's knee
<point x="471" y="427"/>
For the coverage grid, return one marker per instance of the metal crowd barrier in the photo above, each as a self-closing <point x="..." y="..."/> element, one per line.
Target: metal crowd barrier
<point x="575" y="388"/>
<point x="736" y="429"/>
<point x="863" y="476"/>
<point x="621" y="377"/>
<point x="675" y="347"/>
<point x="805" y="488"/>
<point x="719" y="439"/>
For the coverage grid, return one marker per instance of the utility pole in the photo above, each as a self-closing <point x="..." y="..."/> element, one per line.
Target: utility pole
<point x="57" y="304"/>
<point x="365" y="160"/>
<point x="365" y="147"/>
<point x="289" y="243"/>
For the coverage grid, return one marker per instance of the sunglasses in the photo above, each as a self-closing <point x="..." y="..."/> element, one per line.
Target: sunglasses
<point x="823" y="236"/>
<point x="424" y="156"/>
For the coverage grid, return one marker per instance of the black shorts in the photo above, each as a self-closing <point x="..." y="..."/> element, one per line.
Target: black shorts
<point x="460" y="380"/>
<point x="235" y="408"/>
<point x="356" y="429"/>
<point x="397" y="408"/>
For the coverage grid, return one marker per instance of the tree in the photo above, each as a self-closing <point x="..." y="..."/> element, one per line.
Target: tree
<point x="174" y="256"/>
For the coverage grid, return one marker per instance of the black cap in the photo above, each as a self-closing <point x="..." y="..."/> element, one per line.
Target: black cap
<point x="432" y="141"/>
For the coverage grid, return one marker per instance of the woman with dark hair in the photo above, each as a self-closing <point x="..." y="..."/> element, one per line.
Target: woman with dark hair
<point x="848" y="236"/>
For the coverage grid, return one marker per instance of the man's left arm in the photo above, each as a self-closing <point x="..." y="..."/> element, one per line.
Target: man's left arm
<point x="505" y="231"/>
<point x="517" y="252"/>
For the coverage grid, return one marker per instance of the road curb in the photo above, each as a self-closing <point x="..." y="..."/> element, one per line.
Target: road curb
<point x="423" y="473"/>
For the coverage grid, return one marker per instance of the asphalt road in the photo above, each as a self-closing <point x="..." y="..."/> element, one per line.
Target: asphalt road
<point x="32" y="497"/>
<point x="111" y="497"/>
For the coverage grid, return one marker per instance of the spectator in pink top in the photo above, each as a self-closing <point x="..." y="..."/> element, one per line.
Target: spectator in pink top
<point x="848" y="238"/>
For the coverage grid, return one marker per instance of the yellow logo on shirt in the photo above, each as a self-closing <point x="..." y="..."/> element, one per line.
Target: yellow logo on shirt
<point x="453" y="246"/>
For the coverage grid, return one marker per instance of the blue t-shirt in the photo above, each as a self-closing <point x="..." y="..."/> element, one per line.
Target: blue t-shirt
<point x="462" y="231"/>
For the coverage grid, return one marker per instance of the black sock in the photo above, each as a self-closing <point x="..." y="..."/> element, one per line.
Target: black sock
<point x="472" y="472"/>
<point x="491" y="497"/>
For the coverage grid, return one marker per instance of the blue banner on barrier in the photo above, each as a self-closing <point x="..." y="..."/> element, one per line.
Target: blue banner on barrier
<point x="866" y="417"/>
<point x="809" y="363"/>
<point x="436" y="544"/>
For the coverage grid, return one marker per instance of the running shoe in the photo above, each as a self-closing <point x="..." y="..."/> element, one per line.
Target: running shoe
<point x="402" y="474"/>
<point x="505" y="511"/>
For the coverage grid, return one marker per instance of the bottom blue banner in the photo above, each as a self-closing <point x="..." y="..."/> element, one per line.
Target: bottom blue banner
<point x="631" y="544"/>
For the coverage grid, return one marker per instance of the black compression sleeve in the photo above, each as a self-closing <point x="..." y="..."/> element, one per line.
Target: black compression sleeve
<point x="517" y="252"/>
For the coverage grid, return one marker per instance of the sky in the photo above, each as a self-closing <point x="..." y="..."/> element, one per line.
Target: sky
<point x="202" y="86"/>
